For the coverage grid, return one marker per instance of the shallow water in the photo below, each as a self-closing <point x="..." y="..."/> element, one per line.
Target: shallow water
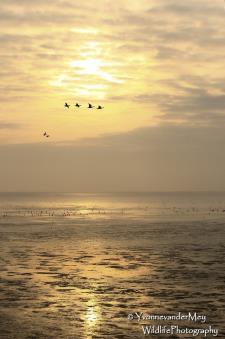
<point x="78" y="269"/>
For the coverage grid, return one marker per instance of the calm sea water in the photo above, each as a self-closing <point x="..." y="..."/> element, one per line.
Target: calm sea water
<point x="76" y="265"/>
<point x="133" y="205"/>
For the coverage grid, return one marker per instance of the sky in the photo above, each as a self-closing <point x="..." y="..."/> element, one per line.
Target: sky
<point x="157" y="67"/>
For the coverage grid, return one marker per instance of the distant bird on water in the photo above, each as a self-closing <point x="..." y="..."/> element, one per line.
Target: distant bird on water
<point x="77" y="105"/>
<point x="100" y="107"/>
<point x="66" y="105"/>
<point x="90" y="106"/>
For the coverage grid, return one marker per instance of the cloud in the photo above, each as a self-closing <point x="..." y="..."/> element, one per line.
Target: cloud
<point x="199" y="103"/>
<point x="9" y="125"/>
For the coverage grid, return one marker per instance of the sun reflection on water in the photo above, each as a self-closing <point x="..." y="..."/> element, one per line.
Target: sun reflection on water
<point x="92" y="317"/>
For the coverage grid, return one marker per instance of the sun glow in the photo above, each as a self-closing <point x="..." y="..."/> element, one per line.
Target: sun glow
<point x="88" y="66"/>
<point x="59" y="81"/>
<point x="95" y="67"/>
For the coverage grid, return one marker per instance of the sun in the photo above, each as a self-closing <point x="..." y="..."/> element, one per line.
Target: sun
<point x="96" y="67"/>
<point x="88" y="66"/>
<point x="94" y="74"/>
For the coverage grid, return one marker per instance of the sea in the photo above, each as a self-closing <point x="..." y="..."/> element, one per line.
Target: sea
<point x="112" y="265"/>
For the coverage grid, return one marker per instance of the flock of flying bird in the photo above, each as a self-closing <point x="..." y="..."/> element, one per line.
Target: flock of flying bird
<point x="66" y="105"/>
<point x="78" y="105"/>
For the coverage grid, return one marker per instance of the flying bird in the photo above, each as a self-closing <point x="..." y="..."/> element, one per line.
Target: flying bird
<point x="90" y="106"/>
<point x="77" y="105"/>
<point x="66" y="105"/>
<point x="46" y="135"/>
<point x="100" y="107"/>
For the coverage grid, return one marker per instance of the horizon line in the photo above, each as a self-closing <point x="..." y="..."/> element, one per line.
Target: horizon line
<point x="115" y="192"/>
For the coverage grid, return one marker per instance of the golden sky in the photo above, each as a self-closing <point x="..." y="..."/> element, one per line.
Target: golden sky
<point x="147" y="62"/>
<point x="151" y="64"/>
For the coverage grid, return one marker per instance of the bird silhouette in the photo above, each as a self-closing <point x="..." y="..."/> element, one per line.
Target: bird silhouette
<point x="77" y="105"/>
<point x="66" y="105"/>
<point x="46" y="135"/>
<point x="90" y="106"/>
<point x="100" y="107"/>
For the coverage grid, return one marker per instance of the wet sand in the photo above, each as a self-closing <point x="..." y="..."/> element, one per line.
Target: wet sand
<point x="80" y="277"/>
